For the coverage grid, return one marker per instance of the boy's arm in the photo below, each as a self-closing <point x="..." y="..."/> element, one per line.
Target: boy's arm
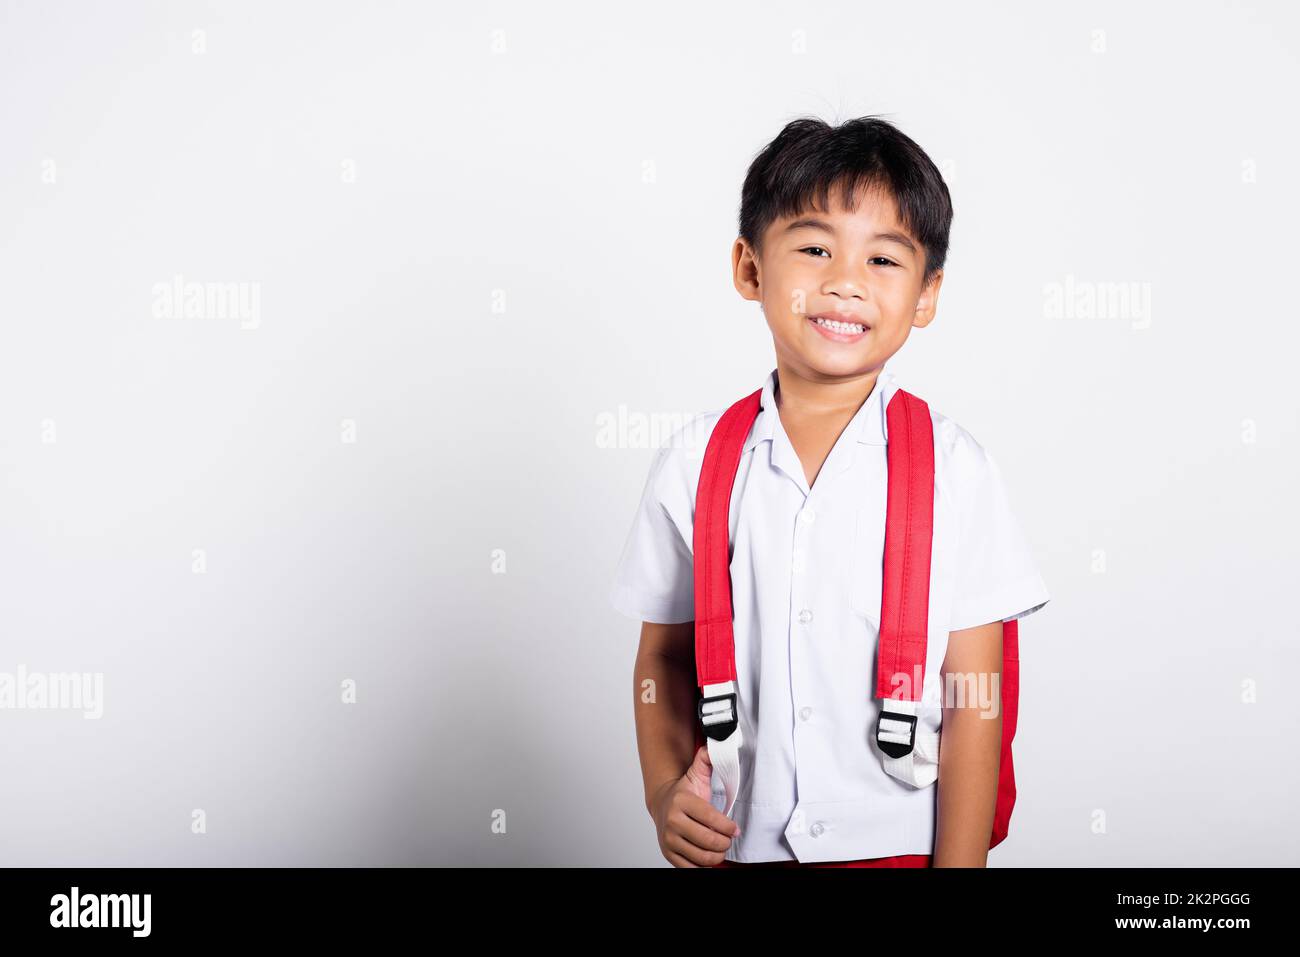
<point x="677" y="773"/>
<point x="970" y="747"/>
<point x="665" y="695"/>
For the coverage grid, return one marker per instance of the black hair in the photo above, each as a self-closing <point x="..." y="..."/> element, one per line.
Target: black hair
<point x="809" y="157"/>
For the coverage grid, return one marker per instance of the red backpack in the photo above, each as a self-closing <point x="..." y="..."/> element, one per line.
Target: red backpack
<point x="904" y="612"/>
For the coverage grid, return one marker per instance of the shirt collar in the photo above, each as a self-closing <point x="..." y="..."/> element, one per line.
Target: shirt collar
<point x="868" y="422"/>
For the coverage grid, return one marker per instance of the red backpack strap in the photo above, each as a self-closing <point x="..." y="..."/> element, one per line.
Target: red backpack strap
<point x="715" y="647"/>
<point x="905" y="600"/>
<point x="905" y="590"/>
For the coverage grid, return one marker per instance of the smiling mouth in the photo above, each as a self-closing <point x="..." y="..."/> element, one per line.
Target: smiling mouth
<point x="838" y="329"/>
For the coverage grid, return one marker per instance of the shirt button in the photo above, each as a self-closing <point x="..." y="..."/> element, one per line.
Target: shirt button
<point x="805" y="616"/>
<point x="808" y="516"/>
<point x="805" y="713"/>
<point x="817" y="829"/>
<point x="798" y="565"/>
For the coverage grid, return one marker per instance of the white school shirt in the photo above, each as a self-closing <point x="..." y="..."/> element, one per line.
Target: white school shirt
<point x="806" y="569"/>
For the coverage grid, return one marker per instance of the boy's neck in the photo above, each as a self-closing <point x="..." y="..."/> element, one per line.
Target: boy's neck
<point x="801" y="397"/>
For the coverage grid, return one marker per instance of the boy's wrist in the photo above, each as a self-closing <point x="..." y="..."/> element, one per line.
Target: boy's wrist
<point x="653" y="793"/>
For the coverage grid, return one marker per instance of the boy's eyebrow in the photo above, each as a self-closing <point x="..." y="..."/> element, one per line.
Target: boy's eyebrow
<point x="811" y="222"/>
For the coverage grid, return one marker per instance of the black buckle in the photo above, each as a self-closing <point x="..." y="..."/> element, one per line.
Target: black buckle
<point x="724" y="721"/>
<point x="896" y="749"/>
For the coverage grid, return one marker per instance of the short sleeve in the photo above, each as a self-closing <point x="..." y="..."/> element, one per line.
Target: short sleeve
<point x="997" y="578"/>
<point x="654" y="580"/>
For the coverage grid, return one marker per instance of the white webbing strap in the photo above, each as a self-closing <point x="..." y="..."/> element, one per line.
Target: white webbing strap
<point x="919" y="767"/>
<point x="724" y="754"/>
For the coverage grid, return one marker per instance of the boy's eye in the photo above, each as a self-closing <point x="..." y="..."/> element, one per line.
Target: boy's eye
<point x="883" y="261"/>
<point x="811" y="248"/>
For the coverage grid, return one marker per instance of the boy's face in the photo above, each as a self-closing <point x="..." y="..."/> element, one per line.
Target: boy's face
<point x="852" y="266"/>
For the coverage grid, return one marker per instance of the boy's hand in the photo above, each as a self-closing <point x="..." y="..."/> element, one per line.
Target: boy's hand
<point x="692" y="832"/>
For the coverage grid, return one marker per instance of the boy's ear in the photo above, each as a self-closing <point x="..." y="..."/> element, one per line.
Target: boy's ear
<point x="744" y="270"/>
<point x="928" y="302"/>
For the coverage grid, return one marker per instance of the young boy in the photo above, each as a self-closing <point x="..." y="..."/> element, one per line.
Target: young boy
<point x="843" y="236"/>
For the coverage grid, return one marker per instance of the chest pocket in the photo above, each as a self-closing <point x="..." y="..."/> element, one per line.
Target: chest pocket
<point x="868" y="564"/>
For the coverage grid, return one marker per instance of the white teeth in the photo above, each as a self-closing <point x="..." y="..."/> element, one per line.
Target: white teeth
<point x="846" y="328"/>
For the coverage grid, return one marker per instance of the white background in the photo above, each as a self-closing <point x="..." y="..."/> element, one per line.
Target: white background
<point x="582" y="166"/>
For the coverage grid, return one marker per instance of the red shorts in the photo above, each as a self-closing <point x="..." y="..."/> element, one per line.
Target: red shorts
<point x="903" y="860"/>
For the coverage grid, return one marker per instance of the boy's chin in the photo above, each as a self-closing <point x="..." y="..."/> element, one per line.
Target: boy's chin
<point x="837" y="360"/>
